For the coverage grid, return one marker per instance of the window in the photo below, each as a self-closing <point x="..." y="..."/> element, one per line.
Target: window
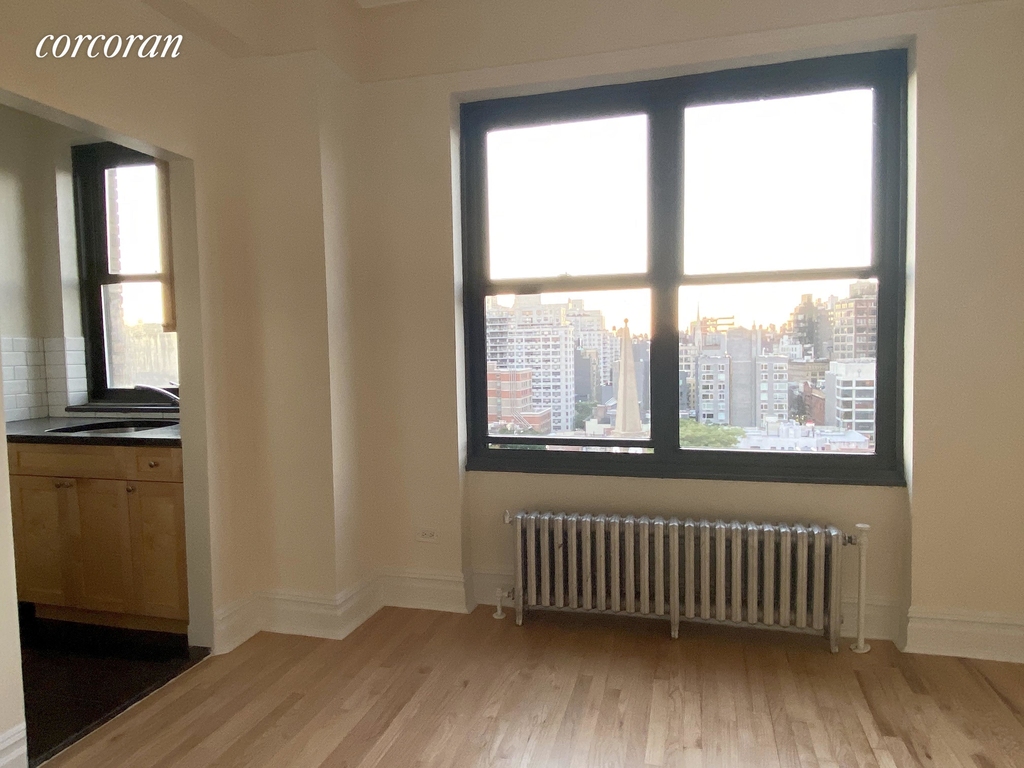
<point x="127" y="287"/>
<point x="728" y="218"/>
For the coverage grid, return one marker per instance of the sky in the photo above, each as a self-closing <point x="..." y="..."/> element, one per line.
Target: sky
<point x="134" y="225"/>
<point x="771" y="184"/>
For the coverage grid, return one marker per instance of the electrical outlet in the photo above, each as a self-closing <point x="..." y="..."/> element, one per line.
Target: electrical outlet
<point x="427" y="534"/>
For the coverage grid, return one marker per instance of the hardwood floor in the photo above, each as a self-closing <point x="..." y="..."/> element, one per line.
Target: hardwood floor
<point x="417" y="688"/>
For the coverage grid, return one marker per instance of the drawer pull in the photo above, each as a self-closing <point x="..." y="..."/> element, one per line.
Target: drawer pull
<point x="62" y="484"/>
<point x="131" y="489"/>
<point x="154" y="464"/>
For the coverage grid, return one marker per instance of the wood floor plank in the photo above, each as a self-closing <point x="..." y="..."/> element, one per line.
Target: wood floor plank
<point x="416" y="689"/>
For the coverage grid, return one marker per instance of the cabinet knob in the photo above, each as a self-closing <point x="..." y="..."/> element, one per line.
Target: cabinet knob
<point x="154" y="464"/>
<point x="131" y="489"/>
<point x="62" y="484"/>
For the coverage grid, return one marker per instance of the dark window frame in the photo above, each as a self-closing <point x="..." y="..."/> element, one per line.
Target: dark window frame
<point x="663" y="101"/>
<point x="89" y="162"/>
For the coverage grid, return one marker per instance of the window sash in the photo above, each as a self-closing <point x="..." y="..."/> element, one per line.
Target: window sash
<point x="664" y="102"/>
<point x="89" y="164"/>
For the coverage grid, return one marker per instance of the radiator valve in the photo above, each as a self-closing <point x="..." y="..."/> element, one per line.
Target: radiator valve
<point x="501" y="594"/>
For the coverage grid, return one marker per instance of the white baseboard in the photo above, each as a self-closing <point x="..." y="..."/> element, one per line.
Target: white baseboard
<point x="238" y="621"/>
<point x="967" y="634"/>
<point x="14" y="748"/>
<point x="294" y="613"/>
<point x="883" y="619"/>
<point x="431" y="590"/>
<point x="335" y="617"/>
<point x="312" y="615"/>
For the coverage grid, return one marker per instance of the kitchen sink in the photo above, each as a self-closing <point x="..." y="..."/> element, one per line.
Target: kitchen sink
<point x="114" y="427"/>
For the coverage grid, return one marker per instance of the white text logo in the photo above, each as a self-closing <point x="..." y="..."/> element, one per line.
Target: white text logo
<point x="110" y="47"/>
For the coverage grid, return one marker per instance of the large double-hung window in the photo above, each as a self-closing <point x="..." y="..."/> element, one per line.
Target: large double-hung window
<point x="693" y="277"/>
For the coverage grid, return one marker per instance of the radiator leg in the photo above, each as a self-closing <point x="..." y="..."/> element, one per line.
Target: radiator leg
<point x="675" y="629"/>
<point x="862" y="587"/>
<point x="519" y="607"/>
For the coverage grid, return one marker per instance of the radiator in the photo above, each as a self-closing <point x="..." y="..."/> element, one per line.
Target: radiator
<point x="782" y="575"/>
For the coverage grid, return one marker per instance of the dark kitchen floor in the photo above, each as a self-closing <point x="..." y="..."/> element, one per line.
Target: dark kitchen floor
<point x="78" y="676"/>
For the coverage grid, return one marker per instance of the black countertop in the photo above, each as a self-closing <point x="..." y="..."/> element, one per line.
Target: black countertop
<point x="36" y="431"/>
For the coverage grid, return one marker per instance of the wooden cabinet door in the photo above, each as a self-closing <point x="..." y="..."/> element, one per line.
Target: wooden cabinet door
<point x="102" y="553"/>
<point x="157" y="512"/>
<point x="42" y="538"/>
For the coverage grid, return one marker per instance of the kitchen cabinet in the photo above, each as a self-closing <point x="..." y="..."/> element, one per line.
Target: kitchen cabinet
<point x="156" y="515"/>
<point x="99" y="533"/>
<point x="42" y="534"/>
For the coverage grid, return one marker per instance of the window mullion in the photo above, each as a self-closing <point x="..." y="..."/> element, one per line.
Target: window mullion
<point x="567" y="283"/>
<point x="665" y="182"/>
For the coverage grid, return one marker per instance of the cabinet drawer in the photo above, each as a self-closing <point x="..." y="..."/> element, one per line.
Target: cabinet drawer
<point x="156" y="464"/>
<point x="48" y="460"/>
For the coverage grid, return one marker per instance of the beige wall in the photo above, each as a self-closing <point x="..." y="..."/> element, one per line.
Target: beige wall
<point x="35" y="158"/>
<point x="411" y="407"/>
<point x="338" y="100"/>
<point x="17" y="241"/>
<point x="12" y="708"/>
<point x="968" y="498"/>
<point x="964" y="515"/>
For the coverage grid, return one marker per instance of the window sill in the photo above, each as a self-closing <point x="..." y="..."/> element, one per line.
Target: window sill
<point x="700" y="468"/>
<point x="123" y="408"/>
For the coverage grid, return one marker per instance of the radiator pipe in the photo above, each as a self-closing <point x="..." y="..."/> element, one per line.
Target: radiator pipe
<point x="499" y="613"/>
<point x="862" y="587"/>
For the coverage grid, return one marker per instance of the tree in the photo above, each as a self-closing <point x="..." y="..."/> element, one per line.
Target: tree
<point x="693" y="434"/>
<point x="797" y="406"/>
<point x="584" y="410"/>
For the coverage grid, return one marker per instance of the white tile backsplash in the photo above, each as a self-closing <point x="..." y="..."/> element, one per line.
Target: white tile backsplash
<point x="30" y="400"/>
<point x="42" y="376"/>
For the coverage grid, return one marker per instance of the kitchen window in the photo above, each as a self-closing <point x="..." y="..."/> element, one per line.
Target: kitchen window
<point x="734" y="218"/>
<point x="126" y="278"/>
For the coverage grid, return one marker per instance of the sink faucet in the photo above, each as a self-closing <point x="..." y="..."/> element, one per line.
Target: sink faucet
<point x="164" y="392"/>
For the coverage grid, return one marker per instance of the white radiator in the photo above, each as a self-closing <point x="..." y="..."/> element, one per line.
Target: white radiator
<point x="768" y="575"/>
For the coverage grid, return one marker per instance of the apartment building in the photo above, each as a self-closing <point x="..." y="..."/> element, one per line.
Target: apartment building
<point x="850" y="395"/>
<point x="855" y="323"/>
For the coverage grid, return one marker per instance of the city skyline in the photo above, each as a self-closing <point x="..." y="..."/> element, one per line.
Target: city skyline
<point x="746" y="303"/>
<point x="804" y="383"/>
